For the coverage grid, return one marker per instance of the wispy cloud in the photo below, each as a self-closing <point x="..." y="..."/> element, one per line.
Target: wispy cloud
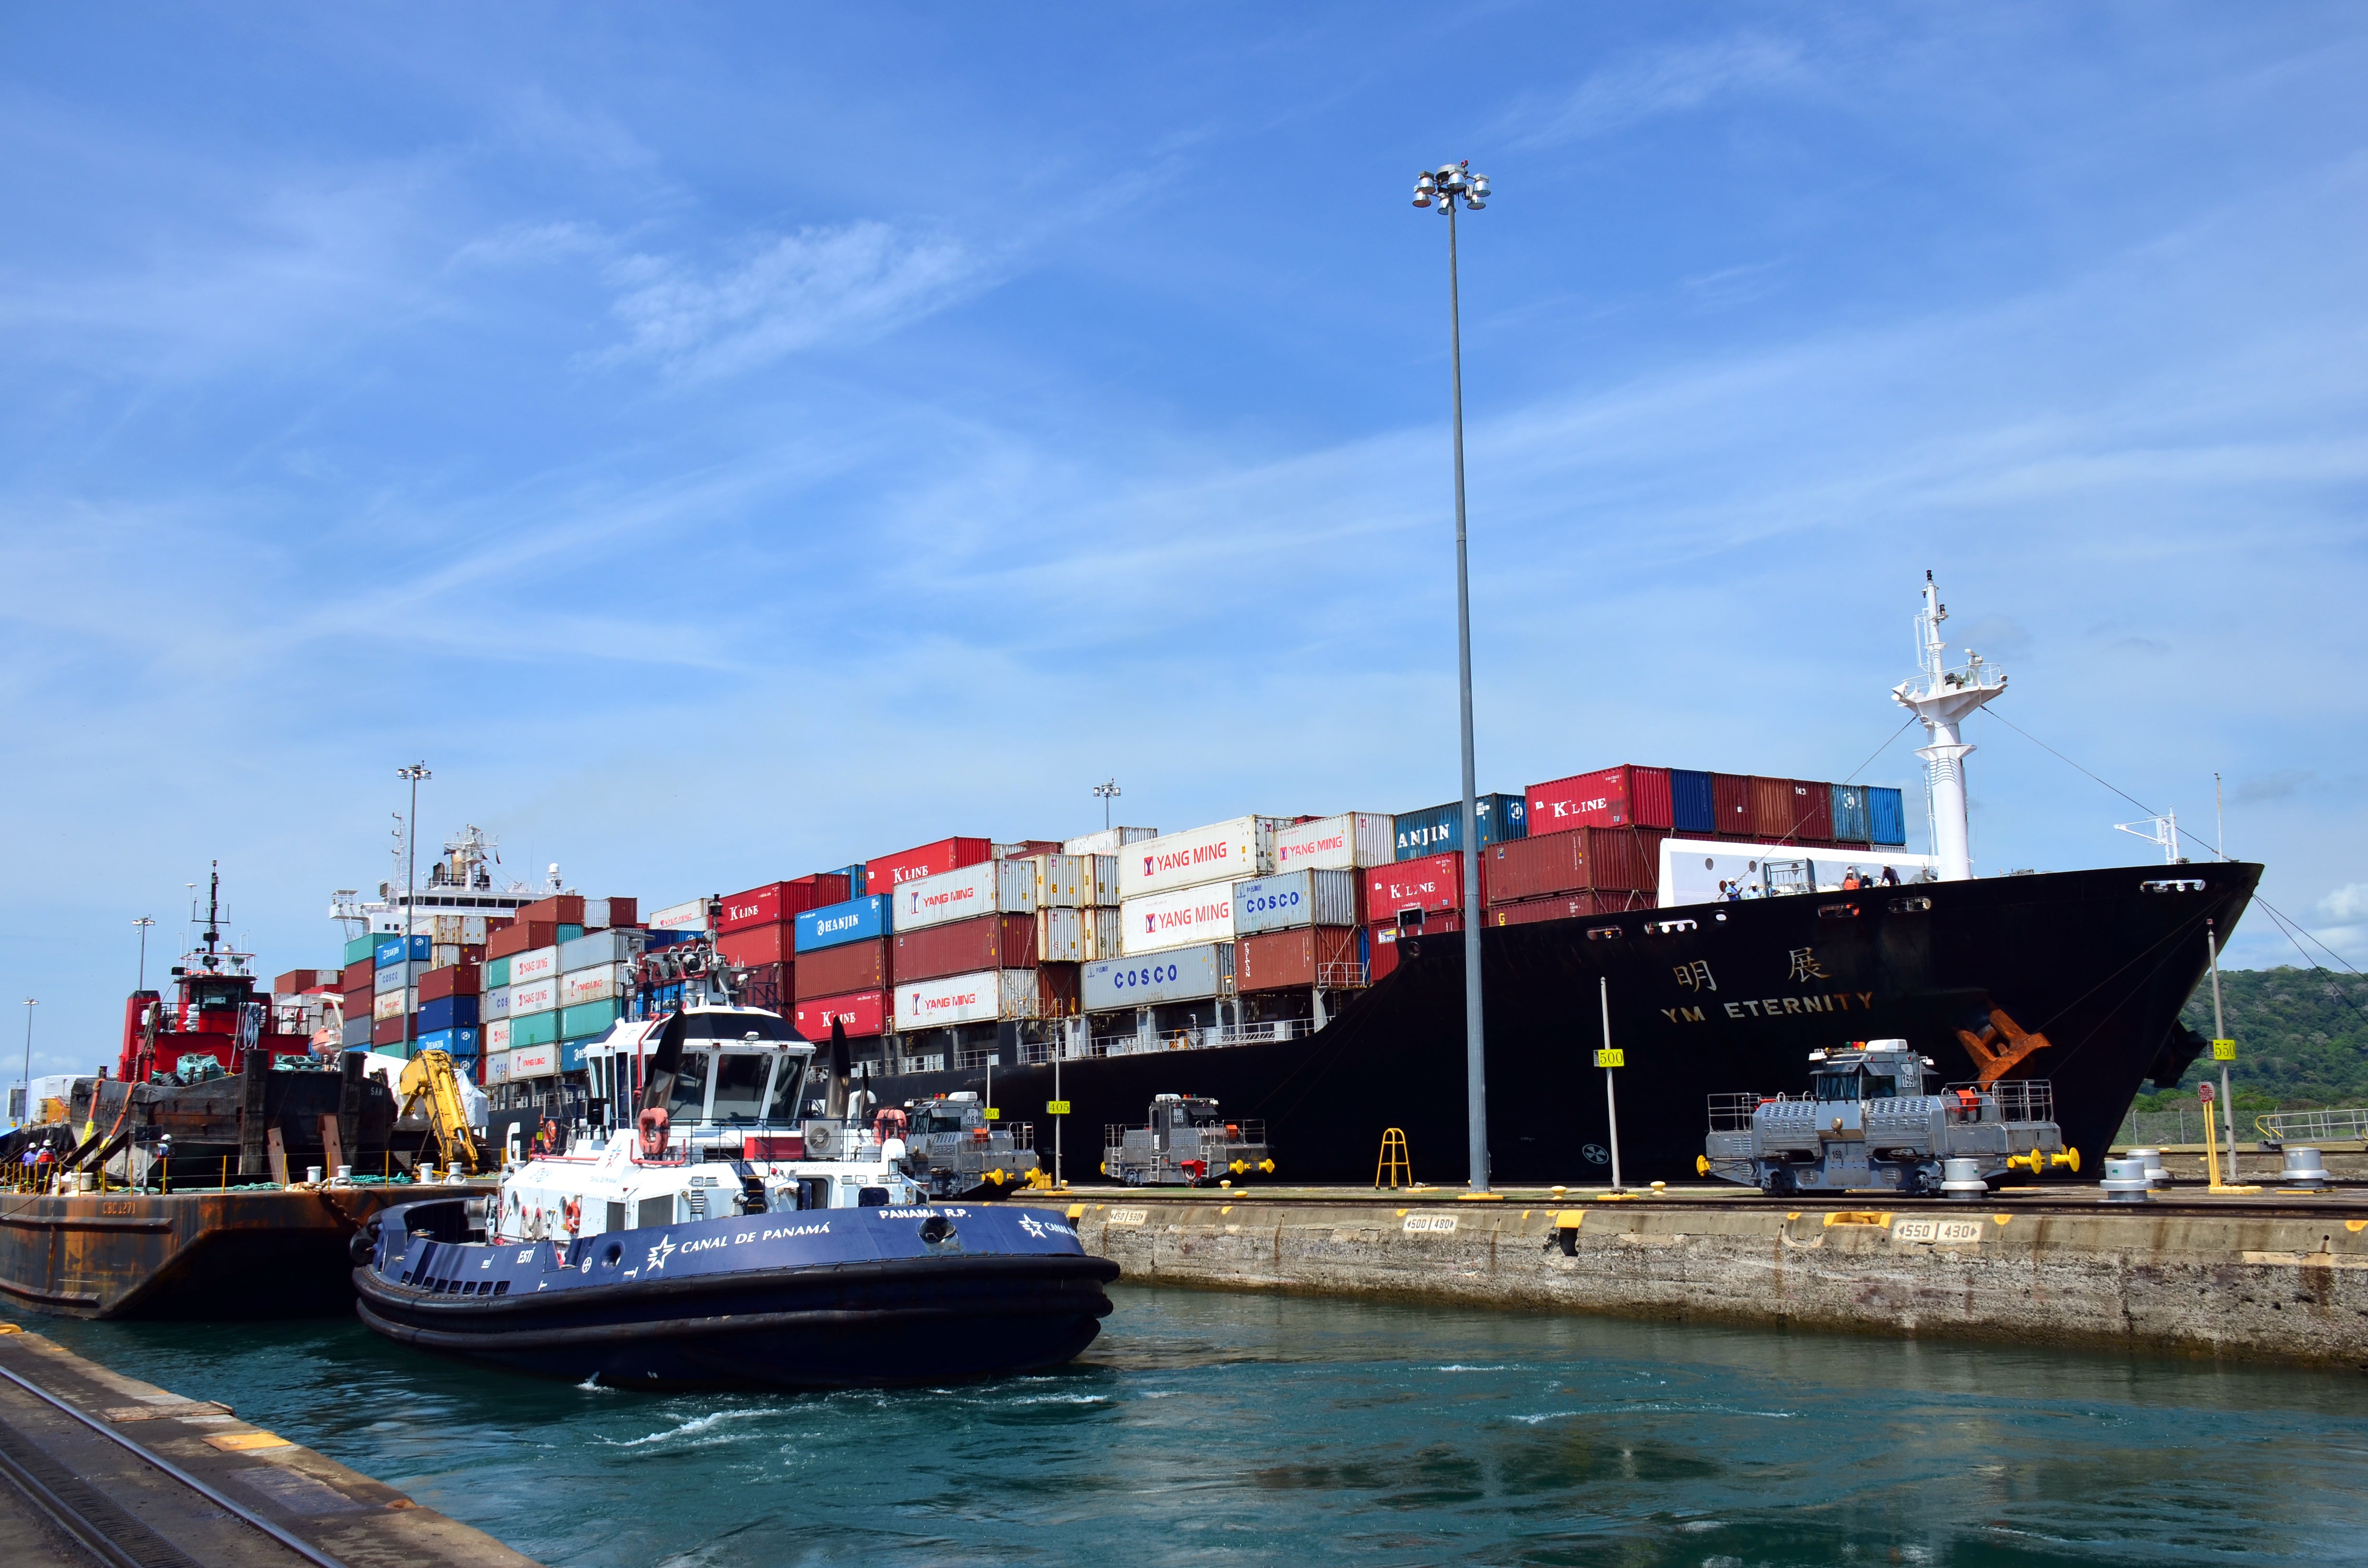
<point x="1649" y="83"/>
<point x="817" y="286"/>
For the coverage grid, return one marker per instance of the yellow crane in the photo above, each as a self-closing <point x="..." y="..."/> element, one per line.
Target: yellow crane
<point x="429" y="1076"/>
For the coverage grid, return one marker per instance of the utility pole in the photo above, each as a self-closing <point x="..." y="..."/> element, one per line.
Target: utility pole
<point x="26" y="1117"/>
<point x="1446" y="185"/>
<point x="144" y="923"/>
<point x="415" y="773"/>
<point x="1608" y="1058"/>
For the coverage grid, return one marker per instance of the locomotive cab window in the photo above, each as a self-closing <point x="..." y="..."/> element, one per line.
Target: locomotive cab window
<point x="1839" y="1087"/>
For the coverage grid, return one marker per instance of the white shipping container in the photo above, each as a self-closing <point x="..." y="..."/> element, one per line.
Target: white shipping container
<point x="600" y="983"/>
<point x="983" y="996"/>
<point x="390" y="977"/>
<point x="537" y="963"/>
<point x="497" y="1034"/>
<point x="1346" y="843"/>
<point x="534" y="1061"/>
<point x="1220" y="852"/>
<point x="1285" y="903"/>
<point x="1104" y="935"/>
<point x="493" y="1004"/>
<point x="691" y="916"/>
<point x="1183" y="918"/>
<point x="497" y="1067"/>
<point x="1063" y="882"/>
<point x="1061" y="935"/>
<point x="1106" y="893"/>
<point x="1187" y="975"/>
<point x="991" y="887"/>
<point x="391" y="1004"/>
<point x="534" y="996"/>
<point x="1108" y="841"/>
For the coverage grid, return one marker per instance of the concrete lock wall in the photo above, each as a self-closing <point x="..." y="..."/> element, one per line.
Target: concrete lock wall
<point x="2287" y="1288"/>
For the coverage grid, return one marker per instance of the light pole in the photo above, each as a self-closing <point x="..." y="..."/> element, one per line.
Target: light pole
<point x="1446" y="185"/>
<point x="415" y="773"/>
<point x="25" y="1117"/>
<point x="1106" y="793"/>
<point x="144" y="923"/>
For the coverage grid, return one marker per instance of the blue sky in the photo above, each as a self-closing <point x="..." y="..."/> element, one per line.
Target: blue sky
<point x="728" y="442"/>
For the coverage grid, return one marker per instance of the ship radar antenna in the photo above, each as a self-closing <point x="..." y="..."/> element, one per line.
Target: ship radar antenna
<point x="1940" y="697"/>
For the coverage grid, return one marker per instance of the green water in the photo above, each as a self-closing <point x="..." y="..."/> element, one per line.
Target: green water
<point x="1207" y="1428"/>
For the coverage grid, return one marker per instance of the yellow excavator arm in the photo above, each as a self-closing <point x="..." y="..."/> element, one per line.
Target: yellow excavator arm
<point x="429" y="1076"/>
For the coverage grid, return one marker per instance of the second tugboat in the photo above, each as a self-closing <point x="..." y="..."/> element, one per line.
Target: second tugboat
<point x="708" y="1255"/>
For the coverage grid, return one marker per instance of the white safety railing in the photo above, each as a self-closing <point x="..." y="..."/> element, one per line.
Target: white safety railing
<point x="2314" y="1126"/>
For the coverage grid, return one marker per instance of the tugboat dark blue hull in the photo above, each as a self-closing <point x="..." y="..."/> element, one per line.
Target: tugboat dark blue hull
<point x="770" y="1301"/>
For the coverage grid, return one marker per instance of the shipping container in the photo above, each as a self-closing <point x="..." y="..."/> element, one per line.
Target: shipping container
<point x="1350" y="842"/>
<point x="498" y="972"/>
<point x="689" y="915"/>
<point x="533" y="996"/>
<point x="588" y="1018"/>
<point x="1061" y="935"/>
<point x="1222" y="852"/>
<point x="542" y="964"/>
<point x="1574" y="859"/>
<point x="1438" y="830"/>
<point x="496" y="1033"/>
<point x="600" y="983"/>
<point x="498" y="1066"/>
<point x="962" y="946"/>
<point x="460" y="980"/>
<point x="1886" y="816"/>
<point x="1108" y="841"/>
<point x="362" y="949"/>
<point x="565" y="909"/>
<point x="1626" y="796"/>
<point x="534" y="1059"/>
<point x="387" y="1031"/>
<point x="1692" y="807"/>
<point x="300" y="979"/>
<point x="1181" y="917"/>
<point x="1567" y="907"/>
<point x="1187" y="975"/>
<point x="1065" y="881"/>
<point x="618" y="945"/>
<point x="1312" y="955"/>
<point x="357" y="1029"/>
<point x="1731" y="800"/>
<point x="766" y="985"/>
<point x="612" y="914"/>
<point x="1813" y="812"/>
<point x="1846" y="807"/>
<point x="454" y="929"/>
<point x="1105" y="935"/>
<point x="1056" y="990"/>
<point x="495" y="1003"/>
<point x="534" y="1029"/>
<point x="855" y="879"/>
<point x="985" y="887"/>
<point x="758" y="944"/>
<point x="447" y="1012"/>
<point x="389" y="951"/>
<point x="359" y="976"/>
<point x="865" y="919"/>
<point x="1025" y="848"/>
<point x="390" y="977"/>
<point x="860" y="1013"/>
<point x="773" y="903"/>
<point x="890" y="872"/>
<point x="849" y="966"/>
<point x="520" y="936"/>
<point x="991" y="995"/>
<point x="1434" y="883"/>
<point x="1288" y="900"/>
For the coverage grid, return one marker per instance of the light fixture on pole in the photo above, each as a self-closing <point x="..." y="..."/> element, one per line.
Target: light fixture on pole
<point x="1445" y="187"/>
<point x="415" y="773"/>
<point x="144" y="923"/>
<point x="25" y="1105"/>
<point x="1107" y="793"/>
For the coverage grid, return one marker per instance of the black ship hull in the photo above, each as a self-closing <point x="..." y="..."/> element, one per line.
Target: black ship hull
<point x="1705" y="999"/>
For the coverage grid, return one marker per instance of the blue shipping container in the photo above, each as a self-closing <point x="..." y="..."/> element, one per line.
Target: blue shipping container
<point x="571" y="1053"/>
<point x="854" y="875"/>
<point x="1441" y="829"/>
<point x="389" y="951"/>
<point x="656" y="939"/>
<point x="1886" y="816"/>
<point x="1691" y="809"/>
<point x="857" y="920"/>
<point x="448" y="1012"/>
<point x="1851" y="824"/>
<point x="458" y="1043"/>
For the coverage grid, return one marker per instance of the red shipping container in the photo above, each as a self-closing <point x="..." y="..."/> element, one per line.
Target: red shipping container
<point x="1572" y="859"/>
<point x="774" y="903"/>
<point x="301" y="980"/>
<point x="624" y="912"/>
<point x="1057" y="990"/>
<point x="1730" y="800"/>
<point x="890" y="872"/>
<point x="1567" y="907"/>
<point x="830" y="887"/>
<point x="1383" y="944"/>
<point x="861" y="1013"/>
<point x="358" y="1004"/>
<point x="362" y="977"/>
<point x="559" y="909"/>
<point x="758" y="944"/>
<point x="1626" y="796"/>
<point x="452" y="980"/>
<point x="524" y="935"/>
<point x="989" y="941"/>
<point x="1433" y="882"/>
<point x="768" y="987"/>
<point x="388" y="1031"/>
<point x="1274" y="961"/>
<point x="850" y="966"/>
<point x="1771" y="806"/>
<point x="1813" y="812"/>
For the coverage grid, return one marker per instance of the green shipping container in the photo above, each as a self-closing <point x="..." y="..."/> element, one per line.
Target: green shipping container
<point x="360" y="948"/>
<point x="535" y="1029"/>
<point x="498" y="972"/>
<point x="587" y="1018"/>
<point x="569" y="933"/>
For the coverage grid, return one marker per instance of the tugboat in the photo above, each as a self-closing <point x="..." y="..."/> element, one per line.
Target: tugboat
<point x="724" y="1239"/>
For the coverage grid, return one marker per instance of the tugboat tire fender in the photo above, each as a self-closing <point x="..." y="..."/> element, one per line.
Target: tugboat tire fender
<point x="688" y="1328"/>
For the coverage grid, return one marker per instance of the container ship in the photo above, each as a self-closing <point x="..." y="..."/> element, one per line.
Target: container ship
<point x="1308" y="971"/>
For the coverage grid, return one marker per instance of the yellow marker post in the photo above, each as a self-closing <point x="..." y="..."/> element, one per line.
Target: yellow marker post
<point x="2211" y="1143"/>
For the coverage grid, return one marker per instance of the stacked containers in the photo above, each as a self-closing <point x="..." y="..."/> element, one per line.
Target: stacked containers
<point x="964" y="947"/>
<point x="756" y="930"/>
<point x="358" y="983"/>
<point x="842" y="963"/>
<point x="596" y="986"/>
<point x="1176" y="913"/>
<point x="890" y="872"/>
<point x="1077" y="907"/>
<point x="397" y="959"/>
<point x="1626" y="796"/>
<point x="1299" y="928"/>
<point x="1416" y="897"/>
<point x="1589" y="859"/>
<point x="449" y="1010"/>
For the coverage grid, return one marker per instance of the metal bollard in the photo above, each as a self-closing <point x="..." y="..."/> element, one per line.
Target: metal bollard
<point x="2152" y="1160"/>
<point x="1962" y="1179"/>
<point x="2304" y="1168"/>
<point x="2125" y="1181"/>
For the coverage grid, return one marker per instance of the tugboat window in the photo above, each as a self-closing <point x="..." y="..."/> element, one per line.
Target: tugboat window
<point x="740" y="1087"/>
<point x="789" y="1081"/>
<point x="688" y="1101"/>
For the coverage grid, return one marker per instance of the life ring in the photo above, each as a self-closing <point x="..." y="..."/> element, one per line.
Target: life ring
<point x="574" y="1215"/>
<point x="654" y="1132"/>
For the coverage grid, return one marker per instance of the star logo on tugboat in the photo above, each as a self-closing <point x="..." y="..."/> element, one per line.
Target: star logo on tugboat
<point x="659" y="1253"/>
<point x="1035" y="1227"/>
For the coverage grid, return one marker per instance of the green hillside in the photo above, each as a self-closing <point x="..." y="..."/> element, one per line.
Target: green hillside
<point x="2302" y="1040"/>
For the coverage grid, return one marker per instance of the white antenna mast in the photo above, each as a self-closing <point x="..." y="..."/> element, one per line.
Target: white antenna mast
<point x="1942" y="697"/>
<point x="2162" y="830"/>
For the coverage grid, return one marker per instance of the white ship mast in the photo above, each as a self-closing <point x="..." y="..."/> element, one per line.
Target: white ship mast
<point x="1942" y="697"/>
